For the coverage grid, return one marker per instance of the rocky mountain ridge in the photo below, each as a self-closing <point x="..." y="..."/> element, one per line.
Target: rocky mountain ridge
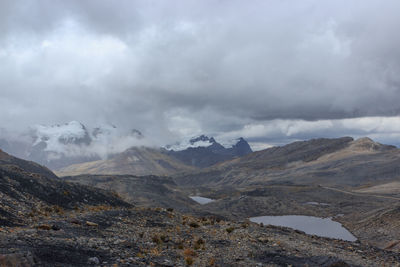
<point x="46" y="221"/>
<point x="153" y="161"/>
<point x="204" y="152"/>
<point x="26" y="187"/>
<point x="71" y="147"/>
<point x="340" y="161"/>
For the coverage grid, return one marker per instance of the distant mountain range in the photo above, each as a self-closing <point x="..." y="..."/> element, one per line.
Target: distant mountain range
<point x="204" y="151"/>
<point x="340" y="162"/>
<point x="160" y="161"/>
<point x="48" y="221"/>
<point x="58" y="146"/>
<point x="73" y="148"/>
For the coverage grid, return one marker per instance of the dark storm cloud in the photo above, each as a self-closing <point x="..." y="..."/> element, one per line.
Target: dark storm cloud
<point x="182" y="67"/>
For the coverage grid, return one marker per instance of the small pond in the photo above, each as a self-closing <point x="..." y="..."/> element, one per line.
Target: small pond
<point x="316" y="203"/>
<point x="324" y="227"/>
<point x="202" y="200"/>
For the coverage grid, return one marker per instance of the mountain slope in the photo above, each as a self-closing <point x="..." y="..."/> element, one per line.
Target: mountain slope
<point x="12" y="163"/>
<point x="26" y="187"/>
<point x="134" y="161"/>
<point x="341" y="161"/>
<point x="148" y="191"/>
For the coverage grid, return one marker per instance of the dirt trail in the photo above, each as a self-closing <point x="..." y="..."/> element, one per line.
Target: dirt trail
<point x="360" y="194"/>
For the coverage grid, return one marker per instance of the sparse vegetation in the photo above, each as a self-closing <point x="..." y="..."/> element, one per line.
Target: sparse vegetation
<point x="199" y="244"/>
<point x="189" y="261"/>
<point x="44" y="227"/>
<point x="156" y="239"/>
<point x="189" y="252"/>
<point x="164" y="238"/>
<point x="180" y="245"/>
<point x="211" y="262"/>
<point x="194" y="224"/>
<point x="230" y="229"/>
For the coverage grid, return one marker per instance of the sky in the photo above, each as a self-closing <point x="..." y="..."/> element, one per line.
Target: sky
<point x="272" y="71"/>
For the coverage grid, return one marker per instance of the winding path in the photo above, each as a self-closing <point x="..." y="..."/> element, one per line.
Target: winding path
<point x="359" y="194"/>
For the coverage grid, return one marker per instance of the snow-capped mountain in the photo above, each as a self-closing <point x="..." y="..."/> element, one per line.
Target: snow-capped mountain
<point x="200" y="141"/>
<point x="55" y="137"/>
<point x="197" y="152"/>
<point x="204" y="151"/>
<point x="205" y="141"/>
<point x="61" y="145"/>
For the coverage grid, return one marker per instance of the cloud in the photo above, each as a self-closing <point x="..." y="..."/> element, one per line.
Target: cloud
<point x="278" y="132"/>
<point x="181" y="67"/>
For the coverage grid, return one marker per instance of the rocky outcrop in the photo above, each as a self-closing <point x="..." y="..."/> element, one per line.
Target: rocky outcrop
<point x="28" y="188"/>
<point x="159" y="237"/>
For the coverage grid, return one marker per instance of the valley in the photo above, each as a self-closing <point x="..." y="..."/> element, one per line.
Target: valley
<point x="337" y="178"/>
<point x="140" y="219"/>
<point x="199" y="133"/>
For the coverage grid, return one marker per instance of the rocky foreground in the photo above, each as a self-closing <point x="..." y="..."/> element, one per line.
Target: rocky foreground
<point x="109" y="236"/>
<point x="48" y="221"/>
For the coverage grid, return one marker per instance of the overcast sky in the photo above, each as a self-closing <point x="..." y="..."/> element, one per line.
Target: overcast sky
<point x="270" y="71"/>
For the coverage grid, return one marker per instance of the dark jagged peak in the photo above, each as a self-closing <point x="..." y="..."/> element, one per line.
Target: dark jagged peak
<point x="242" y="147"/>
<point x="204" y="151"/>
<point x="217" y="148"/>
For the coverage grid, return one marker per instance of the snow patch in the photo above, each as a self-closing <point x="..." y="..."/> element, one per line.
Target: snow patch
<point x="200" y="141"/>
<point x="74" y="139"/>
<point x="57" y="137"/>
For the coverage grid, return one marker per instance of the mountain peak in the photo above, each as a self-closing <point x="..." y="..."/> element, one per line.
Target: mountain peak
<point x="72" y="132"/>
<point x="367" y="144"/>
<point x="202" y="138"/>
<point x="242" y="147"/>
<point x="199" y="141"/>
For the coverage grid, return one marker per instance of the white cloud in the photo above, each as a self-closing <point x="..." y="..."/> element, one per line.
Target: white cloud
<point x="280" y="69"/>
<point x="277" y="132"/>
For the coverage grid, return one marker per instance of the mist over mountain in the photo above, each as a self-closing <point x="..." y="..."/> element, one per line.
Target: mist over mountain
<point x="188" y="156"/>
<point x="152" y="133"/>
<point x="176" y="69"/>
<point x="63" y="144"/>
